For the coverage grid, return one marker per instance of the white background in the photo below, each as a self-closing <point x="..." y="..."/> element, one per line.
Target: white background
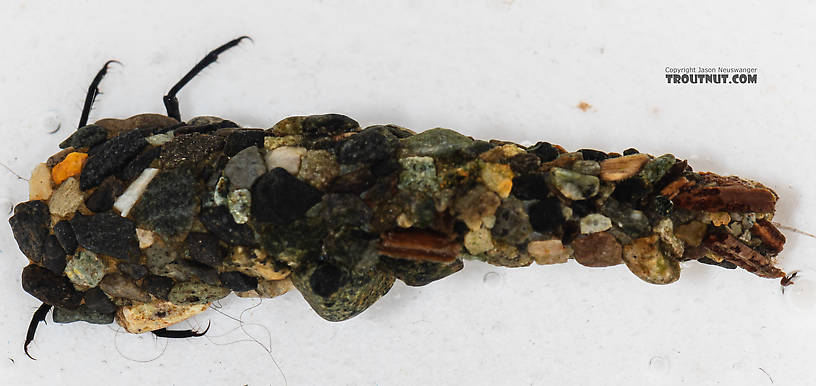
<point x="514" y="70"/>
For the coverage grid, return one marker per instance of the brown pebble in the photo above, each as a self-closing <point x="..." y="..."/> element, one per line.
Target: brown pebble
<point x="597" y="250"/>
<point x="769" y="235"/>
<point x="616" y="169"/>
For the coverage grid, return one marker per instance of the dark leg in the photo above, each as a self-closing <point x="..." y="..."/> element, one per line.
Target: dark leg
<point x="39" y="316"/>
<point x="165" y="333"/>
<point x="93" y="90"/>
<point x="170" y="100"/>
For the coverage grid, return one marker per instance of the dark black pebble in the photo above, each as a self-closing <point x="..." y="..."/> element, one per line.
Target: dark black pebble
<point x="477" y="147"/>
<point x="66" y="237"/>
<point x="205" y="273"/>
<point x="582" y="208"/>
<point x="544" y="150"/>
<point x="237" y="281"/>
<point x="30" y="224"/>
<point x="110" y="157"/>
<point x="53" y="255"/>
<point x="530" y="187"/>
<point x="107" y="233"/>
<point x="204" y="248"/>
<point x="326" y="279"/>
<point x="243" y="139"/>
<point x="328" y="125"/>
<point x="340" y="210"/>
<point x="187" y="149"/>
<point x="158" y="286"/>
<point x="50" y="287"/>
<point x="630" y="190"/>
<point x="102" y="199"/>
<point x="593" y="155"/>
<point x="168" y="204"/>
<point x="280" y="198"/>
<point x="546" y="215"/>
<point x="135" y="167"/>
<point x="96" y="300"/>
<point x="630" y="151"/>
<point x="85" y="136"/>
<point x="373" y="144"/>
<point x="220" y="222"/>
<point x="135" y="271"/>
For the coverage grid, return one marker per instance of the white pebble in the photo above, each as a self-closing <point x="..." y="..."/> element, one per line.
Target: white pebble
<point x="287" y="157"/>
<point x="134" y="191"/>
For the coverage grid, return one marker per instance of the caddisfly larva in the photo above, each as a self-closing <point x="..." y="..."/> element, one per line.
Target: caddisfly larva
<point x="146" y="220"/>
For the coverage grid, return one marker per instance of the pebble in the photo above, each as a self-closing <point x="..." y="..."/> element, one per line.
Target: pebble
<point x="107" y="233"/>
<point x="419" y="273"/>
<point x="590" y="168"/>
<point x="502" y="153"/>
<point x="145" y="317"/>
<point x="418" y="174"/>
<point x="39" y="185"/>
<point x="287" y="157"/>
<point x="272" y="143"/>
<point x="478" y="241"/>
<point x="238" y="281"/>
<point x="498" y="178"/>
<point x="544" y="150"/>
<point x="30" y="224"/>
<point x="574" y="186"/>
<point x="49" y="287"/>
<point x="144" y="122"/>
<point x="119" y="286"/>
<point x="512" y="223"/>
<point x="159" y="139"/>
<point x="272" y="288"/>
<point x="530" y="187"/>
<point x="436" y="143"/>
<point x="337" y="295"/>
<point x="548" y="251"/>
<point x="593" y="155"/>
<point x="221" y="224"/>
<point x="373" y="144"/>
<point x="621" y="168"/>
<point x="145" y="237"/>
<point x="239" y="204"/>
<point x="65" y="236"/>
<point x="80" y="314"/>
<point x="69" y="167"/>
<point x="102" y="199"/>
<point x="657" y="168"/>
<point x="244" y="168"/>
<point x="255" y="262"/>
<point x="110" y="157"/>
<point x="476" y="205"/>
<point x="671" y="243"/>
<point x="280" y="198"/>
<point x="546" y="215"/>
<point x="242" y="139"/>
<point x="599" y="249"/>
<point x="134" y="271"/>
<point x="135" y="167"/>
<point x="96" y="300"/>
<point x="187" y="149"/>
<point x="85" y="136"/>
<point x="53" y="255"/>
<point x="507" y="255"/>
<point x="220" y="192"/>
<point x="646" y="261"/>
<point x="595" y="222"/>
<point x="631" y="221"/>
<point x="85" y="269"/>
<point x="158" y="256"/>
<point x="66" y="199"/>
<point x="525" y="163"/>
<point x="134" y="191"/>
<point x="168" y="204"/>
<point x="327" y="125"/>
<point x="319" y="168"/>
<point x="187" y="293"/>
<point x="158" y="286"/>
<point x="204" y="248"/>
<point x="691" y="233"/>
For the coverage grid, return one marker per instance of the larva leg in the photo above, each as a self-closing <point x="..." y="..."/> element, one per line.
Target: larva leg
<point x="165" y="333"/>
<point x="93" y="90"/>
<point x="170" y="100"/>
<point x="39" y="316"/>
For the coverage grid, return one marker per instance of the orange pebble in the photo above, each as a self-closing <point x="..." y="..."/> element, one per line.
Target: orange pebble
<point x="69" y="167"/>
